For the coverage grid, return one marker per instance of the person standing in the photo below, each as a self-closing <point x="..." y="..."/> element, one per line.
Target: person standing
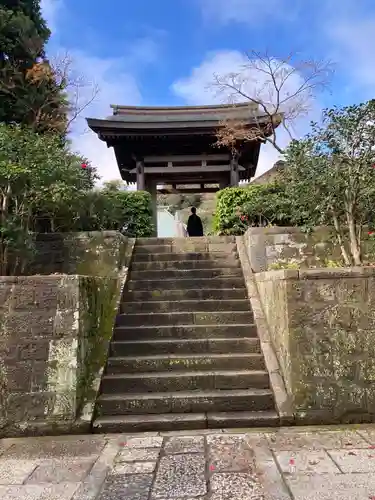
<point x="194" y="225"/>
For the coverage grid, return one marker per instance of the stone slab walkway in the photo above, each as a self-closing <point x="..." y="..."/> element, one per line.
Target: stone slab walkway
<point x="282" y="464"/>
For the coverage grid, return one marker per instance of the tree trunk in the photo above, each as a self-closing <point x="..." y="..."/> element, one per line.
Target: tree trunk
<point x="340" y="240"/>
<point x="355" y="248"/>
<point x="5" y="204"/>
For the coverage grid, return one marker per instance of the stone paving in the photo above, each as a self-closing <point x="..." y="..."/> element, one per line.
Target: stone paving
<point x="281" y="464"/>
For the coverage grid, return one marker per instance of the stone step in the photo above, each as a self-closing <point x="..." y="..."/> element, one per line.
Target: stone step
<point x="144" y="423"/>
<point x="208" y="305"/>
<point x="174" y="362"/>
<point x="144" y="242"/>
<point x="184" y="381"/>
<point x="175" y="265"/>
<point x="186" y="402"/>
<point x="188" y="283"/>
<point x="184" y="346"/>
<point x="242" y="419"/>
<point x="187" y="246"/>
<point x="157" y="295"/>
<point x="195" y="256"/>
<point x="184" y="421"/>
<point x="184" y="318"/>
<point x="161" y="274"/>
<point x="184" y="332"/>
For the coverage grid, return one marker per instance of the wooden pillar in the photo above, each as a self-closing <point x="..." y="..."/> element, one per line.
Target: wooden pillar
<point x="234" y="175"/>
<point x="151" y="187"/>
<point x="141" y="181"/>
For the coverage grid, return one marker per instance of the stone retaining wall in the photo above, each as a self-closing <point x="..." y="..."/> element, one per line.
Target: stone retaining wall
<point x="54" y="338"/>
<point x="91" y="253"/>
<point x="280" y="245"/>
<point x="322" y="325"/>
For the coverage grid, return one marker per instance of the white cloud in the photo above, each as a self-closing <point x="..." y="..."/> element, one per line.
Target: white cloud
<point x="116" y="86"/>
<point x="51" y="10"/>
<point x="115" y="78"/>
<point x="197" y="89"/>
<point x="243" y="11"/>
<point x="351" y="35"/>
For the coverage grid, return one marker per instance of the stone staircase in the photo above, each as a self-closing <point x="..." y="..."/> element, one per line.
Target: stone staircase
<point x="185" y="352"/>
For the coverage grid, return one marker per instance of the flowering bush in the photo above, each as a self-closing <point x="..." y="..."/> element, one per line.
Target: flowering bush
<point x="253" y="205"/>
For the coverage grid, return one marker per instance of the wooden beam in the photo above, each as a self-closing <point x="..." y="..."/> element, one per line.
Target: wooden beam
<point x="185" y="158"/>
<point x="185" y="190"/>
<point x="186" y="170"/>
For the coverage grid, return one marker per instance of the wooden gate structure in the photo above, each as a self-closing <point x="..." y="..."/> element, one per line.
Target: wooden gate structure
<point x="176" y="146"/>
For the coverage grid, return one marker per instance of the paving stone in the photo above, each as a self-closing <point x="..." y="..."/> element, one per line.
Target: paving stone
<point x="60" y="471"/>
<point x="230" y="454"/>
<point x="333" y="487"/>
<point x="294" y="440"/>
<point x="202" y="432"/>
<point x="127" y="487"/>
<point x="269" y="474"/>
<point x="5" y="444"/>
<point x="54" y="448"/>
<point x="144" y="442"/>
<point x="15" y="471"/>
<point x="354" y="460"/>
<point x="367" y="432"/>
<point x="90" y="488"/>
<point x="180" y="476"/>
<point x="225" y="438"/>
<point x="38" y="492"/>
<point x="134" y="468"/>
<point x="134" y="455"/>
<point x="184" y="498"/>
<point x="306" y="462"/>
<point x="184" y="444"/>
<point x="235" y="486"/>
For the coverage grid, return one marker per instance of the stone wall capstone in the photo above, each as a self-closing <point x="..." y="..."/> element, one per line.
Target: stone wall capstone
<point x="322" y="325"/>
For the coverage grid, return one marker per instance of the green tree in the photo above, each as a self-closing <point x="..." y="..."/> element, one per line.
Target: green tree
<point x="253" y="205"/>
<point x="40" y="180"/>
<point x="330" y="179"/>
<point x="31" y="91"/>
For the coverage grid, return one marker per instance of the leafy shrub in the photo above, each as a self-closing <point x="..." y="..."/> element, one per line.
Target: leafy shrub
<point x="111" y="210"/>
<point x="254" y="205"/>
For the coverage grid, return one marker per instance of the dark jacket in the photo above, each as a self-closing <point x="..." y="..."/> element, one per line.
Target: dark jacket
<point x="194" y="226"/>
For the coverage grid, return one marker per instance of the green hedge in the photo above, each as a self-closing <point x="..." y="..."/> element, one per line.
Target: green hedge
<point x="255" y="205"/>
<point x="106" y="210"/>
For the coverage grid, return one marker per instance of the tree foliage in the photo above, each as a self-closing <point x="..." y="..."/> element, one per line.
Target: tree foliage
<point x="253" y="205"/>
<point x="180" y="201"/>
<point x="330" y="175"/>
<point x="112" y="209"/>
<point x="43" y="188"/>
<point x="31" y="92"/>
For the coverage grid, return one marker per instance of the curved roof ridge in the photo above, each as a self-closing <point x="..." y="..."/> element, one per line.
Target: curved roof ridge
<point x="119" y="109"/>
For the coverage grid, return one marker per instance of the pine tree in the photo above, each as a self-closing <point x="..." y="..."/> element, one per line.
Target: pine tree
<point x="29" y="91"/>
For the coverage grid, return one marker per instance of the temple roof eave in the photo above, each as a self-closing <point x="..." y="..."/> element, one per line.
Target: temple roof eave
<point x="104" y="126"/>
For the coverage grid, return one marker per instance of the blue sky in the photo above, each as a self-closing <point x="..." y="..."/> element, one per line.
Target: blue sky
<point x="166" y="52"/>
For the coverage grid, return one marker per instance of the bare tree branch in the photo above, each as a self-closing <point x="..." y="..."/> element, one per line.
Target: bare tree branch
<point x="282" y="91"/>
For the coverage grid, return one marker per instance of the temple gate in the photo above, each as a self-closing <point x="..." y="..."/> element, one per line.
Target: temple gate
<point x="175" y="147"/>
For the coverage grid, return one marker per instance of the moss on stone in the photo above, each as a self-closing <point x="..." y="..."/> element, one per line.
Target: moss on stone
<point x="99" y="298"/>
